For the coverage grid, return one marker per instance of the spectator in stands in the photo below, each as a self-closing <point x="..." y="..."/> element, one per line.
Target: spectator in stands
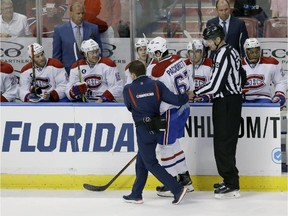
<point x="12" y="24"/>
<point x="199" y="67"/>
<point x="261" y="73"/>
<point x="279" y="8"/>
<point x="74" y="31"/>
<point x="235" y="29"/>
<point x="8" y="83"/>
<point x="43" y="79"/>
<point x="249" y="8"/>
<point x="94" y="78"/>
<point x="52" y="15"/>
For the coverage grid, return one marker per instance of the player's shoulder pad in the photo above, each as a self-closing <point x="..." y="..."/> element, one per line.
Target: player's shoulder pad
<point x="55" y="63"/>
<point x="268" y="60"/>
<point x="6" y="68"/>
<point x="107" y="61"/>
<point x="208" y="62"/>
<point x="80" y="62"/>
<point x="26" y="67"/>
<point x="188" y="62"/>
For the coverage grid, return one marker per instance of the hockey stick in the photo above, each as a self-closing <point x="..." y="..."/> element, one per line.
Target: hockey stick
<point x="104" y="187"/>
<point x="186" y="33"/>
<point x="33" y="67"/>
<point x="78" y="66"/>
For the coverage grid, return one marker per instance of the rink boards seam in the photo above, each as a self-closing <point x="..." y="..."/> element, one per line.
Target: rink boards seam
<point x="75" y="182"/>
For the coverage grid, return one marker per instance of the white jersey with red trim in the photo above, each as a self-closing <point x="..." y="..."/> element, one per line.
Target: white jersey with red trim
<point x="52" y="78"/>
<point x="8" y="85"/>
<point x="172" y="71"/>
<point x="267" y="71"/>
<point x="103" y="79"/>
<point x="202" y="72"/>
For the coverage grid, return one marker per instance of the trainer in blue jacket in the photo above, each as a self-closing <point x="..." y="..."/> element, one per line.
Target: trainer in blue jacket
<point x="143" y="98"/>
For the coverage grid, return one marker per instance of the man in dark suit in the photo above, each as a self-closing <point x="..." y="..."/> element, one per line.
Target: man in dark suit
<point x="235" y="29"/>
<point x="74" y="31"/>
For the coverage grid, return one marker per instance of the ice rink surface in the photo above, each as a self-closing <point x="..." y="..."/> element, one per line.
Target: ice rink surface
<point x="110" y="203"/>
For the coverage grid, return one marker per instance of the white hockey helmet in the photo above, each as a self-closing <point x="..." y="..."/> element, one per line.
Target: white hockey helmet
<point x="89" y="45"/>
<point x="142" y="42"/>
<point x="157" y="44"/>
<point x="251" y="43"/>
<point x="37" y="48"/>
<point x="197" y="45"/>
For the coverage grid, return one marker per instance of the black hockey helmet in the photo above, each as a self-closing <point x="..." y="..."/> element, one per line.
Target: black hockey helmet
<point x="213" y="31"/>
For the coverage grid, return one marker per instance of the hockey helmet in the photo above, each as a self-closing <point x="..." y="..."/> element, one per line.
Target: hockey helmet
<point x="142" y="42"/>
<point x="157" y="44"/>
<point x="37" y="48"/>
<point x="89" y="45"/>
<point x="197" y="45"/>
<point x="251" y="43"/>
<point x="213" y="31"/>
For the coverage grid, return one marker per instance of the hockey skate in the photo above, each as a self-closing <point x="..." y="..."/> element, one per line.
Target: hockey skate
<point x="225" y="192"/>
<point x="218" y="185"/>
<point x="185" y="180"/>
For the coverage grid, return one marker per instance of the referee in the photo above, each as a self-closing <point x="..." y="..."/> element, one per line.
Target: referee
<point x="225" y="85"/>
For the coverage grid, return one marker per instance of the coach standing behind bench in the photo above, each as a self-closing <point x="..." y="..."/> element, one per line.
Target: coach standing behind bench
<point x="76" y="30"/>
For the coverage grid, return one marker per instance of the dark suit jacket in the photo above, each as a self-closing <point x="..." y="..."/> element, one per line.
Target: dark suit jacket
<point x="237" y="33"/>
<point x="63" y="41"/>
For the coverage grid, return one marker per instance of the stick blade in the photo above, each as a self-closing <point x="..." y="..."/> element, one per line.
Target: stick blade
<point x="94" y="188"/>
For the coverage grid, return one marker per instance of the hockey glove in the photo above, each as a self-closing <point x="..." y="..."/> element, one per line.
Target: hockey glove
<point x="202" y="99"/>
<point x="279" y="97"/>
<point x="77" y="90"/>
<point x="36" y="90"/>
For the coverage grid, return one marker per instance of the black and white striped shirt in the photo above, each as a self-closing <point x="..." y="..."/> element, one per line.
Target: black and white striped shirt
<point x="225" y="79"/>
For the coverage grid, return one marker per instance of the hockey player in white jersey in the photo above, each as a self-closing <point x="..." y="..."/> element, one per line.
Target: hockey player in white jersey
<point x="199" y="67"/>
<point x="141" y="49"/>
<point x="262" y="72"/>
<point x="172" y="71"/>
<point x="43" y="79"/>
<point x="97" y="78"/>
<point x="8" y="84"/>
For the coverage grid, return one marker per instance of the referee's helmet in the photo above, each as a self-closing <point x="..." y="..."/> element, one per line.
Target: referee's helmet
<point x="213" y="31"/>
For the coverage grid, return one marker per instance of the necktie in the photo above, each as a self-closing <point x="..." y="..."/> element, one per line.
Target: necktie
<point x="78" y="37"/>
<point x="224" y="28"/>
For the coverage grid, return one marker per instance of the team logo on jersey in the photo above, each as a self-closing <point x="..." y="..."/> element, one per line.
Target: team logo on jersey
<point x="199" y="81"/>
<point x="43" y="82"/>
<point x="256" y="81"/>
<point x="93" y="81"/>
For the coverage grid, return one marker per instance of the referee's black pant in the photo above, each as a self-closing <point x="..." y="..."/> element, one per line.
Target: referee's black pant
<point x="226" y="123"/>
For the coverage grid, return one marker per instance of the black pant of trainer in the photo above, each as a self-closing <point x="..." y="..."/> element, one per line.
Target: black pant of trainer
<point x="226" y="122"/>
<point x="147" y="161"/>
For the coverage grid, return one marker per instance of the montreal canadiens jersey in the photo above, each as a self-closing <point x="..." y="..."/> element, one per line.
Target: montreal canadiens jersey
<point x="172" y="71"/>
<point x="267" y="72"/>
<point x="8" y="85"/>
<point x="52" y="78"/>
<point x="103" y="79"/>
<point x="202" y="72"/>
